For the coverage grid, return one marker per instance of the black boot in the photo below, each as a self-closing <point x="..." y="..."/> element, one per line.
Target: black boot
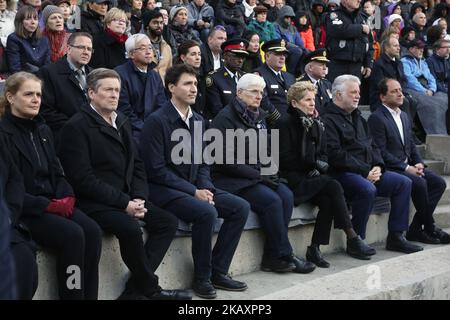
<point x="396" y="242"/>
<point x="358" y="249"/>
<point x="314" y="255"/>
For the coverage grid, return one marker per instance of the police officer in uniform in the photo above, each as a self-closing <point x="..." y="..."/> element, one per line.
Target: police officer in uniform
<point x="316" y="69"/>
<point x="349" y="41"/>
<point x="277" y="81"/>
<point x="221" y="84"/>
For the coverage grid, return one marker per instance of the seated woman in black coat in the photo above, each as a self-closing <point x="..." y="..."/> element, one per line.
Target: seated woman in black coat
<point x="269" y="198"/>
<point x="23" y="249"/>
<point x="48" y="205"/>
<point x="303" y="162"/>
<point x="109" y="45"/>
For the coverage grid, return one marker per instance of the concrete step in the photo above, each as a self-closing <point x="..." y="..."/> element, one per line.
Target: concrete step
<point x="176" y="270"/>
<point x="438" y="148"/>
<point x="437" y="166"/>
<point x="388" y="275"/>
<point x="442" y="216"/>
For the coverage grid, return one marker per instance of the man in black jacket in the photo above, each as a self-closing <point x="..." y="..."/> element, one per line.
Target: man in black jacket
<point x="92" y="18"/>
<point x="65" y="82"/>
<point x="211" y="50"/>
<point x="391" y="130"/>
<point x="357" y="164"/>
<point x="101" y="161"/>
<point x="349" y="41"/>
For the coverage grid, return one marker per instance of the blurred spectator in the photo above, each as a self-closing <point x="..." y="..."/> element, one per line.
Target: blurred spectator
<point x="109" y="45"/>
<point x="442" y="22"/>
<point x="407" y="35"/>
<point x="200" y="17"/>
<point x="317" y="21"/>
<point x="285" y="28"/>
<point x="249" y="5"/>
<point x="231" y="15"/>
<point x="305" y="30"/>
<point x="421" y="84"/>
<point x="265" y="29"/>
<point x="54" y="31"/>
<point x="180" y="30"/>
<point x="153" y="22"/>
<point x="419" y="22"/>
<point x="439" y="11"/>
<point x="7" y="14"/>
<point x="392" y="9"/>
<point x="212" y="58"/>
<point x="253" y="60"/>
<point x="439" y="64"/>
<point x="272" y="13"/>
<point x="92" y="17"/>
<point x="26" y="49"/>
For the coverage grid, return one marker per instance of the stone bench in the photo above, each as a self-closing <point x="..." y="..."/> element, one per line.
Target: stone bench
<point x="176" y="270"/>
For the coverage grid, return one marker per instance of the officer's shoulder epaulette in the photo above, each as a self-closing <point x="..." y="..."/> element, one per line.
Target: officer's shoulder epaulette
<point x="301" y="78"/>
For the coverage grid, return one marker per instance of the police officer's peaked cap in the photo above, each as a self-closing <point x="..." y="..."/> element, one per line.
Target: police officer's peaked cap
<point x="236" y="46"/>
<point x="277" y="45"/>
<point x="320" y="55"/>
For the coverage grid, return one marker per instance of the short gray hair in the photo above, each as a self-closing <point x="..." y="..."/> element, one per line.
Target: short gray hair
<point x="94" y="77"/>
<point x="339" y="83"/>
<point x="130" y="44"/>
<point x="250" y="79"/>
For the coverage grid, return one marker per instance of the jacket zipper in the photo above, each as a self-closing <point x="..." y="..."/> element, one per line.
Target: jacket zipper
<point x="35" y="148"/>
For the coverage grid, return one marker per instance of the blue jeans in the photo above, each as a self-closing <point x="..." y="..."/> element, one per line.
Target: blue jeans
<point x="274" y="209"/>
<point x="362" y="193"/>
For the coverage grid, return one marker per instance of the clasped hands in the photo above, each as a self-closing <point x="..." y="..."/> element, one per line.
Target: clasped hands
<point x="417" y="169"/>
<point x="374" y="174"/>
<point x="204" y="195"/>
<point x="136" y="208"/>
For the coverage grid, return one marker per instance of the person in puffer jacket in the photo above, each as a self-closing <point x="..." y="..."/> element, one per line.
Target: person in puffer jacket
<point x="285" y="29"/>
<point x="231" y="15"/>
<point x="201" y="18"/>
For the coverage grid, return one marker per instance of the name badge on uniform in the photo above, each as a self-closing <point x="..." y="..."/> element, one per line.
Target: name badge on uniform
<point x="226" y="91"/>
<point x="274" y="86"/>
<point x="342" y="44"/>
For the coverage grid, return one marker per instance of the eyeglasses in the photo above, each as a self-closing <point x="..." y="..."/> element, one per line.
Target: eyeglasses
<point x="144" y="48"/>
<point x="255" y="92"/>
<point x="83" y="48"/>
<point x="120" y="20"/>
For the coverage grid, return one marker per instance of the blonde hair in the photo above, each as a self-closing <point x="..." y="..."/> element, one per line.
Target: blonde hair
<point x="298" y="90"/>
<point x="12" y="85"/>
<point x="114" y="13"/>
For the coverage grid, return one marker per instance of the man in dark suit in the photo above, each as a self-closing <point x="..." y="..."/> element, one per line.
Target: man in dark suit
<point x="211" y="50"/>
<point x="101" y="161"/>
<point x="183" y="186"/>
<point x="141" y="90"/>
<point x="221" y="83"/>
<point x="357" y="164"/>
<point x="391" y="130"/>
<point x="277" y="81"/>
<point x="315" y="72"/>
<point x="65" y="82"/>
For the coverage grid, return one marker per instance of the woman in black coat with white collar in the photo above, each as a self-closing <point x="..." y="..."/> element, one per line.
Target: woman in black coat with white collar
<point x="303" y="162"/>
<point x="48" y="204"/>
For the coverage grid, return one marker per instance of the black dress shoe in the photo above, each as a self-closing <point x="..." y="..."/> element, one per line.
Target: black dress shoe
<point x="358" y="249"/>
<point x="225" y="282"/>
<point x="301" y="265"/>
<point x="276" y="265"/>
<point x="204" y="289"/>
<point x="397" y="242"/>
<point x="314" y="255"/>
<point x="443" y="236"/>
<point x="170" y="295"/>
<point x="132" y="296"/>
<point x="422" y="236"/>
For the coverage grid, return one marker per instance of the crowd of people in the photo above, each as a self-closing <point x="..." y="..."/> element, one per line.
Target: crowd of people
<point x="94" y="92"/>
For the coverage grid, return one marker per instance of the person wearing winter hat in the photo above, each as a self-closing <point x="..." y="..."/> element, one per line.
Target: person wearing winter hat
<point x="265" y="29"/>
<point x="53" y="19"/>
<point x="333" y="5"/>
<point x="180" y="30"/>
<point x="396" y="21"/>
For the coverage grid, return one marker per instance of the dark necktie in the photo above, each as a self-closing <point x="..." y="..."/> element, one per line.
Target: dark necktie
<point x="81" y="78"/>
<point x="280" y="77"/>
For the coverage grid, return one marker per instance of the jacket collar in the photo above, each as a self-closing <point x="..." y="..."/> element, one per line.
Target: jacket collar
<point x="98" y="121"/>
<point x="173" y="115"/>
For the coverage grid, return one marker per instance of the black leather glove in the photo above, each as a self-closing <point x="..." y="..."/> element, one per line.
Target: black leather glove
<point x="313" y="173"/>
<point x="322" y="166"/>
<point x="271" y="181"/>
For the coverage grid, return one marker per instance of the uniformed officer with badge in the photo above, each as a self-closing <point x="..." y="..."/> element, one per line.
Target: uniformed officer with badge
<point x="277" y="81"/>
<point x="316" y="69"/>
<point x="221" y="84"/>
<point x="349" y="41"/>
